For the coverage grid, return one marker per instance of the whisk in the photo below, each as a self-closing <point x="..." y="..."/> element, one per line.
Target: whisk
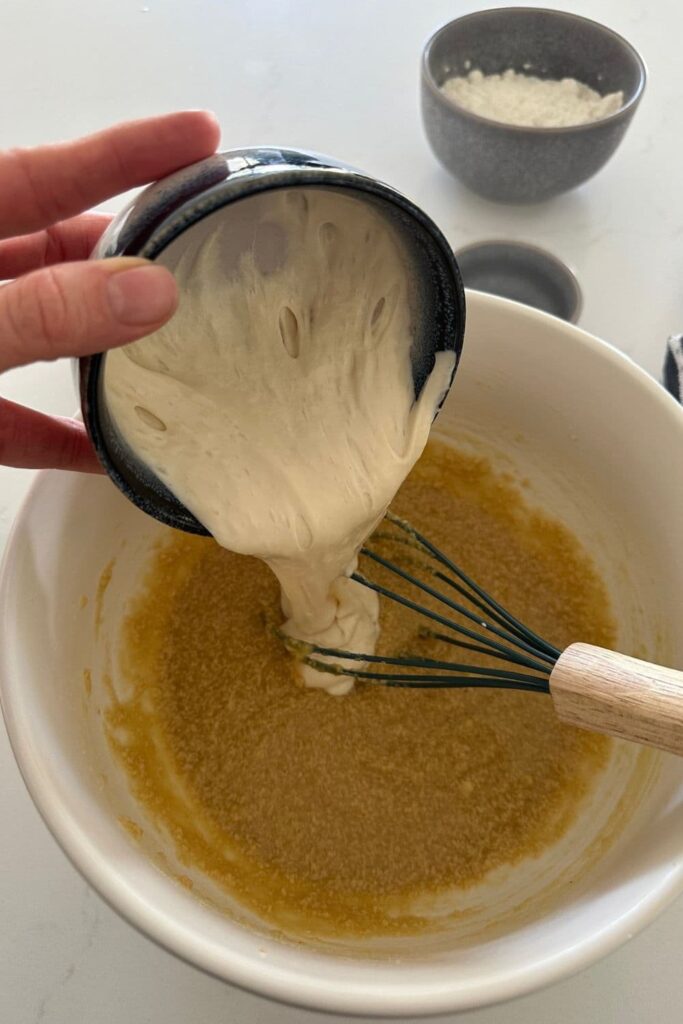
<point x="591" y="687"/>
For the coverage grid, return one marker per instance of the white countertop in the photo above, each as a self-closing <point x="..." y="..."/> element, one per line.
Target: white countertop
<point x="337" y="76"/>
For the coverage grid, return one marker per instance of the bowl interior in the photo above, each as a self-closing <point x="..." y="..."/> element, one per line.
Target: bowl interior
<point x="546" y="43"/>
<point x="595" y="442"/>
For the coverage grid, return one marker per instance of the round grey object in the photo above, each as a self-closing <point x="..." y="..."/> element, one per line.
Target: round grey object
<point x="513" y="163"/>
<point x="524" y="273"/>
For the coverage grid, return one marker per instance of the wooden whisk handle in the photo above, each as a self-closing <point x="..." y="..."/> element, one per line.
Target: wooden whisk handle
<point x="621" y="696"/>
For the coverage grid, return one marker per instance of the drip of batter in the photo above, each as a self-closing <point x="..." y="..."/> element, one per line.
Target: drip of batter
<point x="278" y="404"/>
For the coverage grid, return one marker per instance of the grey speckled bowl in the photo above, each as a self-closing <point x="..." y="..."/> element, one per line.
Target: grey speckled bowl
<point x="518" y="164"/>
<point x="521" y="272"/>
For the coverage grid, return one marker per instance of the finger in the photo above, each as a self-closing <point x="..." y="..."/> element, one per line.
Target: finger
<point x="73" y="239"/>
<point x="32" y="440"/>
<point x="78" y="308"/>
<point x="39" y="187"/>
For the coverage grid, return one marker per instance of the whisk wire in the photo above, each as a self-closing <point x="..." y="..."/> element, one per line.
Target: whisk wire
<point x="499" y="634"/>
<point x="518" y="629"/>
<point x="431" y="682"/>
<point x="416" y="662"/>
<point x="506" y="635"/>
<point x="491" y="602"/>
<point x="514" y="657"/>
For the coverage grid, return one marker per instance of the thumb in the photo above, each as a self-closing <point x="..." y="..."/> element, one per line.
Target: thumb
<point x="74" y="309"/>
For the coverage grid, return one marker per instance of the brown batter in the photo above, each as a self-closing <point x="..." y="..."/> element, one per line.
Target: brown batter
<point x="329" y="815"/>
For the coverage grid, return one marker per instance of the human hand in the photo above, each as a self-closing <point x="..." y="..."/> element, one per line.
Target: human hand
<point x="61" y="303"/>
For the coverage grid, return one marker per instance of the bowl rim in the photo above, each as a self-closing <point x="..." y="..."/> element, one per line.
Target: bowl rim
<point x="627" y="109"/>
<point x="125" y="893"/>
<point x="566" y="269"/>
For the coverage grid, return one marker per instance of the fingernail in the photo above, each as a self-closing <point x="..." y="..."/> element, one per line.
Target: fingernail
<point x="143" y="295"/>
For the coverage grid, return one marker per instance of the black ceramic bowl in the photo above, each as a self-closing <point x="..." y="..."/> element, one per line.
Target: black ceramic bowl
<point x="161" y="214"/>
<point x="517" y="164"/>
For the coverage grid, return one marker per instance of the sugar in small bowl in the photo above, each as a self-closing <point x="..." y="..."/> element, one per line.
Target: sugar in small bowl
<point x="522" y="104"/>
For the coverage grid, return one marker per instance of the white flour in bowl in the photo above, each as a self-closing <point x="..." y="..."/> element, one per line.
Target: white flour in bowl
<point x="515" y="98"/>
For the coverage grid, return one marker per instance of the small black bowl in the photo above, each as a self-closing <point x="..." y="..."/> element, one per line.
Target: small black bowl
<point x="516" y="164"/>
<point x="165" y="210"/>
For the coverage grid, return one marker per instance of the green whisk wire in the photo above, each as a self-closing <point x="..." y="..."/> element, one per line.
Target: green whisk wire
<point x="499" y="635"/>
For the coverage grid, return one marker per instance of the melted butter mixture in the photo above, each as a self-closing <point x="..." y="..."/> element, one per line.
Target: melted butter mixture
<point x="332" y="817"/>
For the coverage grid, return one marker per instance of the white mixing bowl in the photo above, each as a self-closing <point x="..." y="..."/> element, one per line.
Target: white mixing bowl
<point x="599" y="445"/>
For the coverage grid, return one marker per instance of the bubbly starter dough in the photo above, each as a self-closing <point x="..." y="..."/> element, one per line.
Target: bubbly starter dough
<point x="278" y="404"/>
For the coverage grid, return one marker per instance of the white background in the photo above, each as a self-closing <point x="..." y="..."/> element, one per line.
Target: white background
<point x="337" y="76"/>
